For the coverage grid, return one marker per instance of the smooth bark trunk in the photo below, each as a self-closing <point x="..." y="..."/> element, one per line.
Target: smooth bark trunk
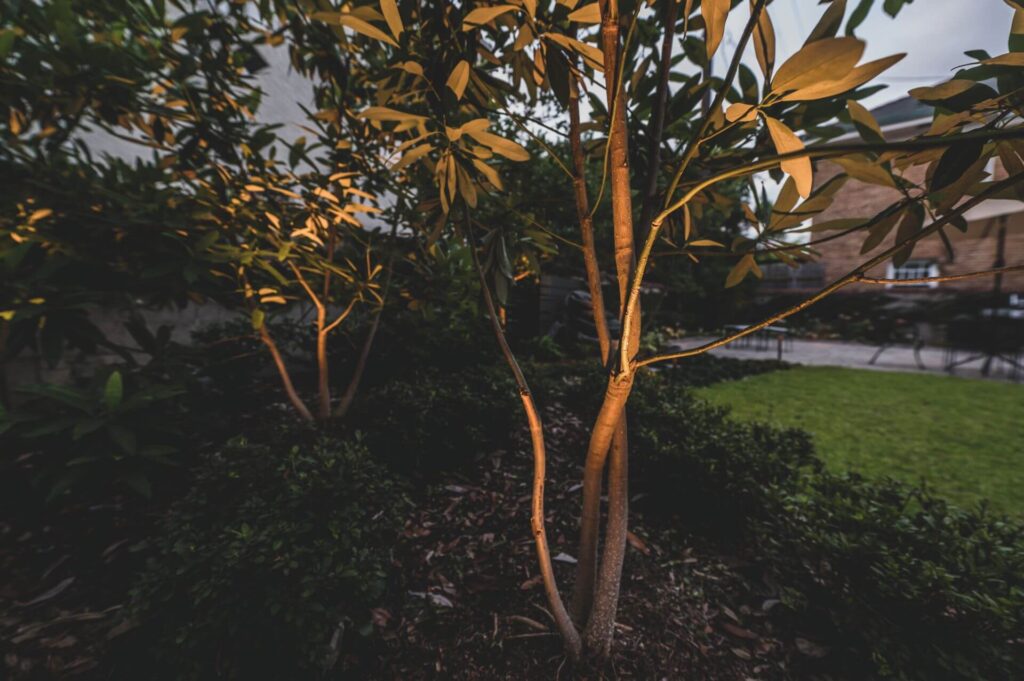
<point x="563" y="622"/>
<point x="286" y="378"/>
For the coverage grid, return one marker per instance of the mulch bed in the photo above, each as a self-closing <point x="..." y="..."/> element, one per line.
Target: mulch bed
<point x="470" y="606"/>
<point x="475" y="607"/>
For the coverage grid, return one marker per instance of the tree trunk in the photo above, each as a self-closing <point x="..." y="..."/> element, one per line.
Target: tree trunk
<point x="570" y="636"/>
<point x="286" y="378"/>
<point x="349" y="395"/>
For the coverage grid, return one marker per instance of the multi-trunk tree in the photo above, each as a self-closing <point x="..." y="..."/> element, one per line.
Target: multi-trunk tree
<point x="632" y="83"/>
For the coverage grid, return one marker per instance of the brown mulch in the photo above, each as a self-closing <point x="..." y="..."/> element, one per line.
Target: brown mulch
<point x="475" y="606"/>
<point x="471" y="605"/>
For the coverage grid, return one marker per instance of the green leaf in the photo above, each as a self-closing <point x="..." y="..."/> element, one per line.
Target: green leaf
<point x="113" y="392"/>
<point x="954" y="163"/>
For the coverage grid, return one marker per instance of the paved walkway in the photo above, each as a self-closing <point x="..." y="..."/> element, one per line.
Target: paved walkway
<point x="855" y="355"/>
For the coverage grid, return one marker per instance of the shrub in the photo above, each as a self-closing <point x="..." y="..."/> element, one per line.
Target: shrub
<point x="897" y="583"/>
<point x="269" y="567"/>
<point x="697" y="464"/>
<point x="118" y="432"/>
<point x="431" y="420"/>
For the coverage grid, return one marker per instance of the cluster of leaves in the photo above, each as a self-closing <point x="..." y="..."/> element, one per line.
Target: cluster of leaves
<point x="269" y="566"/>
<point x="95" y="438"/>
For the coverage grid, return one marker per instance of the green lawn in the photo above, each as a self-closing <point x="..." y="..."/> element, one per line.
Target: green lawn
<point x="965" y="437"/>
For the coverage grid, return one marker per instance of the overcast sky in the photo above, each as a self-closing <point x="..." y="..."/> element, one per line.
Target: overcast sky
<point x="933" y="33"/>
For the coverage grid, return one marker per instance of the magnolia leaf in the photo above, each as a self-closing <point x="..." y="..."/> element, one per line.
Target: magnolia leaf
<point x="830" y="22"/>
<point x="705" y="242"/>
<point x="483" y="15"/>
<point x="865" y="123"/>
<point x="1008" y="59"/>
<point x="741" y="112"/>
<point x="391" y="15"/>
<point x="881" y="230"/>
<point x="507" y="148"/>
<point x="785" y="142"/>
<point x="739" y="271"/>
<point x="954" y="163"/>
<point x="853" y="79"/>
<point x="715" y="13"/>
<point x="862" y="168"/>
<point x="947" y="90"/>
<point x="588" y="14"/>
<point x="411" y="67"/>
<point x="356" y="24"/>
<point x="113" y="392"/>
<point x="593" y="55"/>
<point x="912" y="223"/>
<point x="383" y="113"/>
<point x="490" y="173"/>
<point x="458" y="79"/>
<point x="764" y="42"/>
<point x="787" y="197"/>
<point x="826" y="60"/>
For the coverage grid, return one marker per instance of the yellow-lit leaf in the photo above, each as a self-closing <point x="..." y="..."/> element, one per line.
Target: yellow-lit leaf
<point x="356" y="24"/>
<point x="383" y="113"/>
<point x="715" y="13"/>
<point x="946" y="90"/>
<point x="588" y="14"/>
<point x="490" y="173"/>
<point x="459" y="78"/>
<point x="593" y="55"/>
<point x="854" y="78"/>
<point x="391" y="15"/>
<point x="412" y="155"/>
<point x="483" y="15"/>
<point x="507" y="148"/>
<point x="786" y="142"/>
<point x="741" y="112"/>
<point x="821" y="61"/>
<point x="739" y="271"/>
<point x="764" y="42"/>
<point x="1008" y="59"/>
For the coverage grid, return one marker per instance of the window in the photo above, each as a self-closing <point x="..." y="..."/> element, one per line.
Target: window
<point x="914" y="269"/>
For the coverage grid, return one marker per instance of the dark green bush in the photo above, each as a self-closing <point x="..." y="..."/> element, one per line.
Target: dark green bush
<point x="270" y="565"/>
<point x="897" y="583"/>
<point x="891" y="581"/>
<point x="118" y="431"/>
<point x="432" y="420"/>
<point x="695" y="463"/>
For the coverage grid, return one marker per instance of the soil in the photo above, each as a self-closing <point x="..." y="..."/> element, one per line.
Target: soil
<point x="470" y="606"/>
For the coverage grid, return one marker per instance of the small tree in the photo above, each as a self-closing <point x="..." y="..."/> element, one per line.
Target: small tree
<point x="445" y="73"/>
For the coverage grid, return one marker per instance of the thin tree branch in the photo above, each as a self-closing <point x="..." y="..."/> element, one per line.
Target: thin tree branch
<point x="852" y="277"/>
<point x="697" y="139"/>
<point x="941" y="279"/>
<point x="825" y="151"/>
<point x="657" y="126"/>
<point x="570" y="636"/>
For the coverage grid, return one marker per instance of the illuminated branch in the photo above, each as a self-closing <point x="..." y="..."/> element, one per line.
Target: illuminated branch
<point x="563" y="622"/>
<point x="698" y="138"/>
<point x="341" y="317"/>
<point x="942" y="279"/>
<point x="819" y="152"/>
<point x="853" y="277"/>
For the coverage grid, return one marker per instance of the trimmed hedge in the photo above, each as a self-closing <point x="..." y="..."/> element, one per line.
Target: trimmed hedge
<point x="269" y="566"/>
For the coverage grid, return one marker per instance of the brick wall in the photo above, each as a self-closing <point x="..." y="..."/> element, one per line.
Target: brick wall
<point x="972" y="251"/>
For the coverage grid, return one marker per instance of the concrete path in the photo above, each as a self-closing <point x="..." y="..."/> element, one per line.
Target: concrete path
<point x="856" y="355"/>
